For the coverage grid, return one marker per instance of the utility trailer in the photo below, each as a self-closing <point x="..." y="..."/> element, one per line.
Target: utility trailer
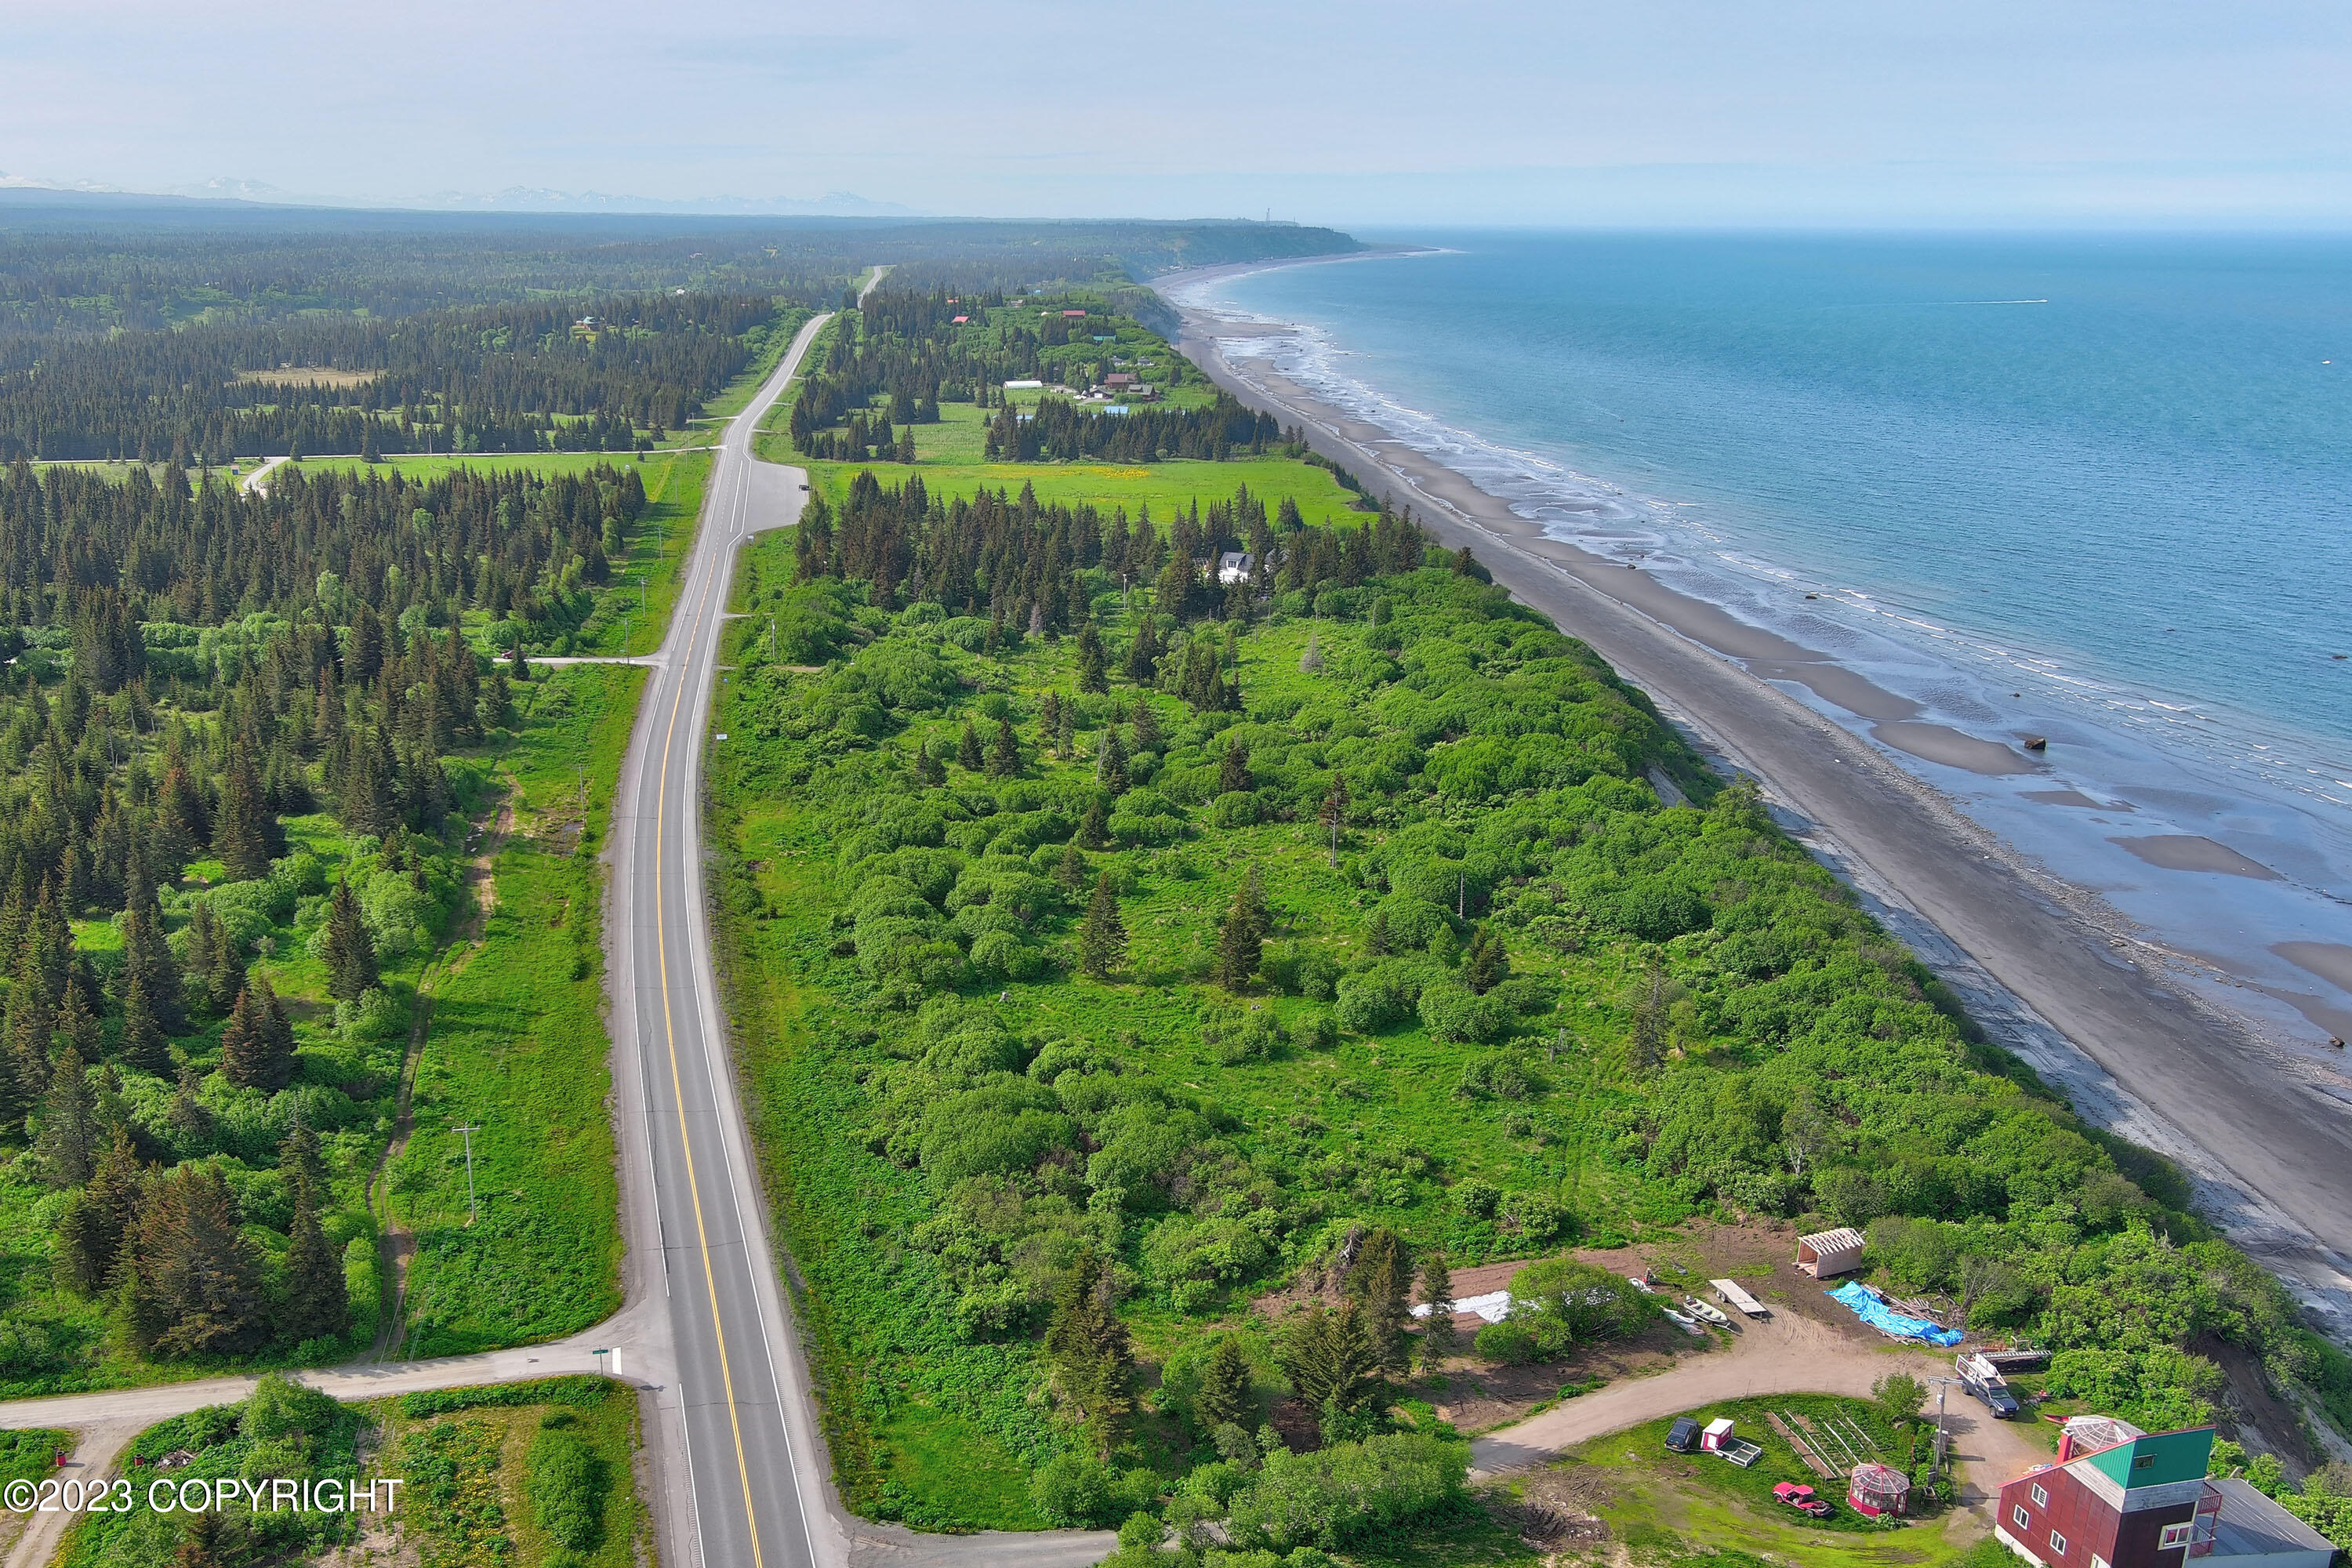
<point x="1729" y="1294"/>
<point x="1719" y="1440"/>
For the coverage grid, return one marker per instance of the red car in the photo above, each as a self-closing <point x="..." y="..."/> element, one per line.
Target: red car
<point x="1803" y="1499"/>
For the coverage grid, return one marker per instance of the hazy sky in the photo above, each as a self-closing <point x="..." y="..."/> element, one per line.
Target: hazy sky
<point x="1370" y="113"/>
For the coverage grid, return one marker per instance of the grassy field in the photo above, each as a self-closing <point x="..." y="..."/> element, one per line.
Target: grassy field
<point x="423" y="470"/>
<point x="1654" y="1501"/>
<point x="948" y="456"/>
<point x="517" y="1047"/>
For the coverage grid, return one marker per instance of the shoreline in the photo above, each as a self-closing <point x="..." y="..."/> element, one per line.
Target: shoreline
<point x="2053" y="972"/>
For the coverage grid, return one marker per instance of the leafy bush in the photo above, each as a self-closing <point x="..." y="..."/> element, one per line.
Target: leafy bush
<point x="580" y="1391"/>
<point x="566" y="1485"/>
<point x="1346" y="1493"/>
<point x="1452" y="1012"/>
<point x="1073" y="1490"/>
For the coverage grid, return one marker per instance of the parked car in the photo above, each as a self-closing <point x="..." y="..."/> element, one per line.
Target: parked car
<point x="1683" y="1436"/>
<point x="1803" y="1499"/>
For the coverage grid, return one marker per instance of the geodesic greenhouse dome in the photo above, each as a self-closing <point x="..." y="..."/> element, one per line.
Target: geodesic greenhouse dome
<point x="1875" y="1489"/>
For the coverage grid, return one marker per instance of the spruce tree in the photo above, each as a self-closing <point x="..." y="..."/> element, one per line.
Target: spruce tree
<point x="1146" y="726"/>
<point x="317" y="1305"/>
<point x="1065" y="727"/>
<point x="1070" y="870"/>
<point x="1049" y="715"/>
<point x="67" y="1144"/>
<point x="196" y="1289"/>
<point x="968" y="755"/>
<point x="497" y="701"/>
<point x="349" y="955"/>
<point x="1240" y="940"/>
<point x="32" y="1019"/>
<point x="1487" y="964"/>
<point x="144" y="1046"/>
<point x="1334" y="815"/>
<point x="206" y="1541"/>
<point x="1094" y="829"/>
<point x="257" y="1043"/>
<point x="1086" y="1349"/>
<point x="79" y="1025"/>
<point x="1102" y="936"/>
<point x="1004" y="751"/>
<point x="1437" y="1295"/>
<point x="1381" y="1280"/>
<point x="1233" y="770"/>
<point x="1329" y="1357"/>
<point x="1092" y="676"/>
<point x="94" y="1222"/>
<point x="1224" y="1398"/>
<point x="240" y="833"/>
<point x="1110" y="768"/>
<point x="191" y="1123"/>
<point x="1144" y="654"/>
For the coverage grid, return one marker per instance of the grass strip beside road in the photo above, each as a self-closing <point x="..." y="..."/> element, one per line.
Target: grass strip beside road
<point x="517" y="1047"/>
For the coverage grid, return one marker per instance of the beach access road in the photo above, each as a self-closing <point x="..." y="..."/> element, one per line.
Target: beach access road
<point x="1785" y="1353"/>
<point x="2271" y="1157"/>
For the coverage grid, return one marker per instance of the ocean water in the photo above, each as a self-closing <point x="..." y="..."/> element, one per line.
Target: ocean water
<point x="2094" y="488"/>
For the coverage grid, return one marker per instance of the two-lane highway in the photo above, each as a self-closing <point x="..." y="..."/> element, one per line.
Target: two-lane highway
<point x="743" y="1472"/>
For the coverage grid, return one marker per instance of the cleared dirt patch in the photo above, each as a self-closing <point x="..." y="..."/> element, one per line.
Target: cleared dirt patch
<point x="308" y="375"/>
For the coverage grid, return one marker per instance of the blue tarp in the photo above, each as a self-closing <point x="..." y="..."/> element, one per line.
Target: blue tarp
<point x="1887" y="1319"/>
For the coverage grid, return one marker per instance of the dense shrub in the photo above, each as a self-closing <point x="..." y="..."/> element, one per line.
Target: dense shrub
<point x="566" y="1485"/>
<point x="1346" y="1493"/>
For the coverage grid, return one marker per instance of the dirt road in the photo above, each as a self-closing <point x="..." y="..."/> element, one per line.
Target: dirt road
<point x="1784" y="1354"/>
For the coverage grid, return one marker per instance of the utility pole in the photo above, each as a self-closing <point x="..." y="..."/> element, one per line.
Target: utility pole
<point x="468" y="1132"/>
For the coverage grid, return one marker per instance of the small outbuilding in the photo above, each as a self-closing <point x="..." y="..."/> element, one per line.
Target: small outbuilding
<point x="1876" y="1491"/>
<point x="1828" y="1253"/>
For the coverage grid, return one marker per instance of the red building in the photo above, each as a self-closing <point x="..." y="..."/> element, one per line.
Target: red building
<point x="2119" y="1498"/>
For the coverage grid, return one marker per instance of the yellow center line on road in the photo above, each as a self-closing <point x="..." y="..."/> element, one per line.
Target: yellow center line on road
<point x="669" y="1033"/>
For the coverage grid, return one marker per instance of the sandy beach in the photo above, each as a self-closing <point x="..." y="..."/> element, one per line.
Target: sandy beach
<point x="2051" y="970"/>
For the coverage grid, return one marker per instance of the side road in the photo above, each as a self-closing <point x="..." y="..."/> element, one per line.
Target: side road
<point x="105" y="1423"/>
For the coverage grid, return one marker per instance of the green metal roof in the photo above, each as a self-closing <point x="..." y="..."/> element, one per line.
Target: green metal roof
<point x="2158" y="1460"/>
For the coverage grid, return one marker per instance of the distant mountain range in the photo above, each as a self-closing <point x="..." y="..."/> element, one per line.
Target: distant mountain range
<point x="512" y="199"/>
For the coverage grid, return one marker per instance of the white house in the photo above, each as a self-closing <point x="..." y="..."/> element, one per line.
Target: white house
<point x="1234" y="566"/>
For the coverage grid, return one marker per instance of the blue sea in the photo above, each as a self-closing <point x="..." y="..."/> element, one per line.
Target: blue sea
<point x="2100" y="486"/>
